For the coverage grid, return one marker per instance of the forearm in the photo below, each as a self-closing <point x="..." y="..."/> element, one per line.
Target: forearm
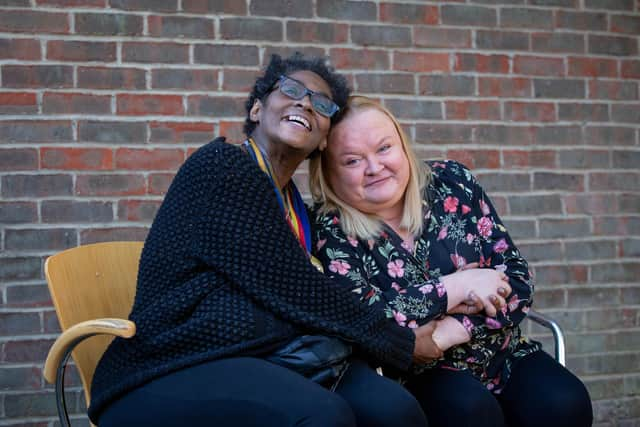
<point x="450" y="332"/>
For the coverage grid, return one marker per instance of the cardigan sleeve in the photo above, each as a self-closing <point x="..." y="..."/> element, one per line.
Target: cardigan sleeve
<point x="240" y="233"/>
<point x="499" y="252"/>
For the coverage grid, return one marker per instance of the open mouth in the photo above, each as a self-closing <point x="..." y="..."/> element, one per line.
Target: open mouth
<point x="298" y="119"/>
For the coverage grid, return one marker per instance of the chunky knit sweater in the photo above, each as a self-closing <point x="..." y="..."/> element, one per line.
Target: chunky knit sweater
<point x="222" y="275"/>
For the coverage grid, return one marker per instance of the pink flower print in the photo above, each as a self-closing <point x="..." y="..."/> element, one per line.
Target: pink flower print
<point x="470" y="238"/>
<point x="412" y="324"/>
<point x="406" y="246"/>
<point x="353" y="242"/>
<point x="484" y="226"/>
<point x="443" y="233"/>
<point x="371" y="243"/>
<point x="425" y="289"/>
<point x="335" y="220"/>
<point x="401" y="319"/>
<point x="467" y="324"/>
<point x="451" y="204"/>
<point x="438" y="165"/>
<point x="441" y="289"/>
<point x="500" y="246"/>
<point x="458" y="261"/>
<point x="525" y="309"/>
<point x="465" y="209"/>
<point x="484" y="208"/>
<point x="320" y="244"/>
<point x="396" y="268"/>
<point x="506" y="342"/>
<point x="398" y="289"/>
<point x="492" y="323"/>
<point x="339" y="266"/>
<point x="513" y="302"/>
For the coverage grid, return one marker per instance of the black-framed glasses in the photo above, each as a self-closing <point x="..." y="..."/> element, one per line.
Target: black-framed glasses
<point x="295" y="89"/>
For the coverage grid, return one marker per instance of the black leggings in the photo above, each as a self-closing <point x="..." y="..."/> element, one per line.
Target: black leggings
<point x="540" y="392"/>
<point x="247" y="392"/>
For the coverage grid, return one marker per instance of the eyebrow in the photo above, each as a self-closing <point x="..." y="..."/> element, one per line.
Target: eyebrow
<point x="314" y="91"/>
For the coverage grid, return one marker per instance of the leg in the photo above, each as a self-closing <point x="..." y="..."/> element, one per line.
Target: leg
<point x="541" y="392"/>
<point x="377" y="401"/>
<point x="455" y="398"/>
<point x="243" y="392"/>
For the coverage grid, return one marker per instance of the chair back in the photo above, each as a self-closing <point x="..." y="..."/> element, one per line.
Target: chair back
<point x="88" y="282"/>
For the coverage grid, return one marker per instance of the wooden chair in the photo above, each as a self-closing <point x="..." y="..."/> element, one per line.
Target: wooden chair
<point x="92" y="288"/>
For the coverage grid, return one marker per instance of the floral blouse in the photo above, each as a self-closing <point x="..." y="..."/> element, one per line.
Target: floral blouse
<point x="460" y="227"/>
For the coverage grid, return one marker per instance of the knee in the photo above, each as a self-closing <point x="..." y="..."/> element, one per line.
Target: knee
<point x="476" y="409"/>
<point x="400" y="408"/>
<point x="330" y="410"/>
<point x="570" y="405"/>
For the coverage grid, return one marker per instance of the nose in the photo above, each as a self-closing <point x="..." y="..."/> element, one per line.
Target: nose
<point x="305" y="103"/>
<point x="373" y="166"/>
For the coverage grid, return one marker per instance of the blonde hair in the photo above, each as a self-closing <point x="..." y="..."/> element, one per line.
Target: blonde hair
<point x="359" y="224"/>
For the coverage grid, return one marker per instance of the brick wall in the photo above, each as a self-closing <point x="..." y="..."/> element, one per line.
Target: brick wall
<point x="102" y="100"/>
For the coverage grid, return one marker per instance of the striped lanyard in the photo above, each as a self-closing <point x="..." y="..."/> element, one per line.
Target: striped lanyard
<point x="289" y="198"/>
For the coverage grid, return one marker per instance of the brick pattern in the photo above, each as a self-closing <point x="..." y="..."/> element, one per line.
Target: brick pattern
<point x="102" y="100"/>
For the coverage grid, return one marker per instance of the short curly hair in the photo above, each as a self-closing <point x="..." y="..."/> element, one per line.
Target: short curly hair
<point x="297" y="62"/>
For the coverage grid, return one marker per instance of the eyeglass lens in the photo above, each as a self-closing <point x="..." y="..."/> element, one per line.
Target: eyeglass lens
<point x="296" y="90"/>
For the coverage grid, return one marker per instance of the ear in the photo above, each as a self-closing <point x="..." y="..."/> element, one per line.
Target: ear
<point x="254" y="113"/>
<point x="323" y="145"/>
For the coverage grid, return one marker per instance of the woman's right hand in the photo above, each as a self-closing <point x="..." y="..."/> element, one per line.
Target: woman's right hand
<point x="489" y="285"/>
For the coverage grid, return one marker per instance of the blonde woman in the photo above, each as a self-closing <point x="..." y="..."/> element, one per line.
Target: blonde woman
<point x="416" y="240"/>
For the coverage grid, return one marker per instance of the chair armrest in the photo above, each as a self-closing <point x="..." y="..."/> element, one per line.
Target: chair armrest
<point x="61" y="349"/>
<point x="558" y="335"/>
<point x="66" y="342"/>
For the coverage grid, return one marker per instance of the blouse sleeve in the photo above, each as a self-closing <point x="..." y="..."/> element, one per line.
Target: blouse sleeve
<point x="347" y="262"/>
<point x="499" y="252"/>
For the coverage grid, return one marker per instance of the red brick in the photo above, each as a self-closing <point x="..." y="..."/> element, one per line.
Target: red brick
<point x="476" y="159"/>
<point x="241" y="28"/>
<point x="231" y="7"/>
<point x="137" y="210"/>
<point x="421" y="62"/>
<point x="96" y="235"/>
<point x="215" y="106"/>
<point x="180" y="132"/>
<point x="558" y="42"/>
<point x="67" y="3"/>
<point x="441" y="37"/>
<point x="111" y="78"/>
<point x="170" y="53"/>
<point x="31" y="131"/>
<point x="141" y="105"/>
<point x="75" y="103"/>
<point x="110" y="185"/>
<point x="538" y="65"/>
<point x="516" y="159"/>
<point x="530" y="111"/>
<point x="482" y="63"/>
<point x="25" y="49"/>
<point x="145" y="5"/>
<point x="593" y="67"/>
<point x="409" y="14"/>
<point x="71" y="158"/>
<point x="518" y="87"/>
<point x="15" y="159"/>
<point x="18" y="103"/>
<point x="180" y="26"/>
<point x="37" y="76"/>
<point x="367" y="59"/>
<point x="625" y="24"/>
<point x="186" y="79"/>
<point x="232" y="131"/>
<point x="238" y="80"/>
<point x="22" y="351"/>
<point x="27" y="21"/>
<point x="317" y="32"/>
<point x="472" y="110"/>
<point x="108" y="24"/>
<point x="590" y="204"/>
<point x="620" y="90"/>
<point x="630" y="69"/>
<point x="583" y="112"/>
<point x="159" y="183"/>
<point x="81" y="51"/>
<point x="143" y="159"/>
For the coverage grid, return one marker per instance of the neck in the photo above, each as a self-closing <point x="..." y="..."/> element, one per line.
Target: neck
<point x="283" y="159"/>
<point x="393" y="218"/>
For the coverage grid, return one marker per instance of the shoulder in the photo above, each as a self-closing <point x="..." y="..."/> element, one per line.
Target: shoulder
<point x="451" y="171"/>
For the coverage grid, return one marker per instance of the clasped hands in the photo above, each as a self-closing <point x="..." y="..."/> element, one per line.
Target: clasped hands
<point x="476" y="289"/>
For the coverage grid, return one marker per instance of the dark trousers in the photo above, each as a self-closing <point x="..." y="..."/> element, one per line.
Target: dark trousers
<point x="247" y="392"/>
<point x="540" y="393"/>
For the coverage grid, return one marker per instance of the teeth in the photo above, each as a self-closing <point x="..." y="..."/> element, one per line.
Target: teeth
<point x="299" y="119"/>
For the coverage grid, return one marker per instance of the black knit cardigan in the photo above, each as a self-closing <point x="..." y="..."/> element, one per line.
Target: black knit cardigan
<point x="222" y="275"/>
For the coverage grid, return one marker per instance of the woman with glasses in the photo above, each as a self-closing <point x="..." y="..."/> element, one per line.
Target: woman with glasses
<point x="226" y="281"/>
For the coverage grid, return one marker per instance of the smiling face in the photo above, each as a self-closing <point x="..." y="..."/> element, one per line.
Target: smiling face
<point x="283" y="122"/>
<point x="366" y="163"/>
